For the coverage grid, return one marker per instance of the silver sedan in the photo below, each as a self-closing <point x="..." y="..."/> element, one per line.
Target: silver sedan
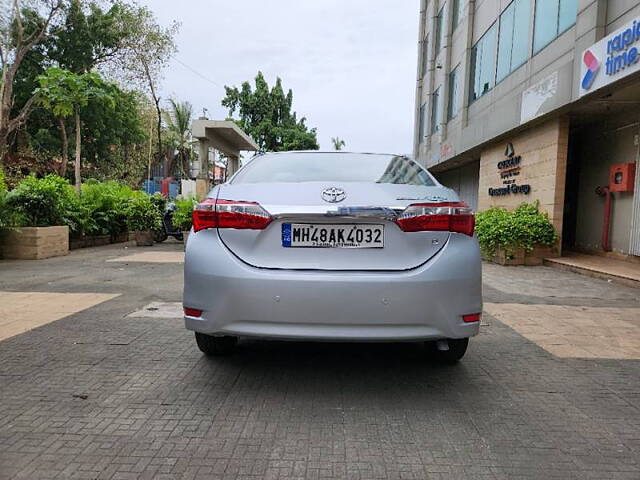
<point x="333" y="246"/>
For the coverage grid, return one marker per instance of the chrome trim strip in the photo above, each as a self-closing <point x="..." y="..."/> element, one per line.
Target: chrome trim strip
<point x="294" y="211"/>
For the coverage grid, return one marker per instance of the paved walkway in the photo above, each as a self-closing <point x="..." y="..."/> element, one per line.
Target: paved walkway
<point x="603" y="267"/>
<point x="104" y="394"/>
<point x="23" y="311"/>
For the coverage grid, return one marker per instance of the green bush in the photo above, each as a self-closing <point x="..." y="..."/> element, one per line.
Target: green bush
<point x="160" y="202"/>
<point x="4" y="212"/>
<point x="183" y="215"/>
<point x="142" y="214"/>
<point x="42" y="202"/>
<point x="103" y="206"/>
<point x="525" y="227"/>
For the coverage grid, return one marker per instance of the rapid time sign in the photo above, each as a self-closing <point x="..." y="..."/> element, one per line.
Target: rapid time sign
<point x="612" y="58"/>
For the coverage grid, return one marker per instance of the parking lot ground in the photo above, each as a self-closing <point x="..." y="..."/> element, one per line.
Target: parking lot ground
<point x="550" y="389"/>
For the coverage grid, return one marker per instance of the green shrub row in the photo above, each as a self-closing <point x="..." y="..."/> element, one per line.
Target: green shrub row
<point x="183" y="214"/>
<point x="3" y="201"/>
<point x="525" y="227"/>
<point x="102" y="208"/>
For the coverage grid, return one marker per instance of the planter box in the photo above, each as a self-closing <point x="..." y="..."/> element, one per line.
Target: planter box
<point x="34" y="243"/>
<point x="75" y="243"/>
<point x="520" y="257"/>
<point x="120" y="237"/>
<point x="501" y="257"/>
<point x="537" y="255"/>
<point x="131" y="236"/>
<point x="100" y="240"/>
<point x="144" y="239"/>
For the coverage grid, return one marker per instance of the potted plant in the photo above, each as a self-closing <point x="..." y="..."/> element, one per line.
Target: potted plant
<point x="183" y="216"/>
<point x="524" y="236"/>
<point x="40" y="212"/>
<point x="143" y="218"/>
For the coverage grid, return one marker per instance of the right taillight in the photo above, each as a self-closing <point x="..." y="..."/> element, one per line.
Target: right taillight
<point x="441" y="217"/>
<point x="472" y="318"/>
<point x="229" y="214"/>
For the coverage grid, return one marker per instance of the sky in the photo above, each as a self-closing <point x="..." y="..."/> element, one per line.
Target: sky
<point x="350" y="63"/>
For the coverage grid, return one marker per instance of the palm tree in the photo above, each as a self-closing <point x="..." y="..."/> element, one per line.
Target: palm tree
<point x="338" y="143"/>
<point x="178" y="121"/>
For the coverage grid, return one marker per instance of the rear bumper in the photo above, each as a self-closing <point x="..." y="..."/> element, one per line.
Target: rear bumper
<point x="424" y="303"/>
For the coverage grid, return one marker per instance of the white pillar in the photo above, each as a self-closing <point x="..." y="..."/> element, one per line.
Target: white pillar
<point x="203" y="156"/>
<point x="232" y="165"/>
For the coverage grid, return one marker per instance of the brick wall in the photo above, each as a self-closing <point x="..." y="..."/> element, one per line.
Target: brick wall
<point x="543" y="149"/>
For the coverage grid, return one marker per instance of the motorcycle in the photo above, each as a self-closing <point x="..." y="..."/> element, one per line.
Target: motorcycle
<point x="167" y="229"/>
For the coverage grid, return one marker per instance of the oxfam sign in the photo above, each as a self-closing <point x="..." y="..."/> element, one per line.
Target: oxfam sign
<point x="612" y="58"/>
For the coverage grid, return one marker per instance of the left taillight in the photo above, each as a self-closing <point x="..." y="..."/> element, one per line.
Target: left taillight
<point x="192" y="312"/>
<point x="229" y="214"/>
<point x="441" y="217"/>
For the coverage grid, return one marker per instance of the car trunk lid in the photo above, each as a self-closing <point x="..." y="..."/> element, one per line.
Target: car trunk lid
<point x="365" y="204"/>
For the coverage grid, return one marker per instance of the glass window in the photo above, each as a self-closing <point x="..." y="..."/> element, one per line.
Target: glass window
<point x="552" y="18"/>
<point x="513" y="39"/>
<point x="421" y="122"/>
<point x="435" y="111"/>
<point x="545" y="24"/>
<point x="457" y="12"/>
<point x="567" y="15"/>
<point x="439" y="32"/>
<point x="298" y="167"/>
<point x="521" y="30"/>
<point x="483" y="63"/>
<point x="505" y="42"/>
<point x="455" y="97"/>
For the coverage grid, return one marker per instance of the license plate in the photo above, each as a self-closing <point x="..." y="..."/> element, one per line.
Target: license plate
<point x="322" y="235"/>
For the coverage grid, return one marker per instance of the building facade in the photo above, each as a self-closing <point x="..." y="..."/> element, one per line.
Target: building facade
<point x="536" y="100"/>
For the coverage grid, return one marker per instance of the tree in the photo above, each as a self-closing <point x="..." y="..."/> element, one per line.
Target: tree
<point x="145" y="54"/>
<point x="114" y="140"/>
<point x="338" y="143"/>
<point x="124" y="42"/>
<point x="265" y="114"/>
<point x="64" y="93"/>
<point x="18" y="37"/>
<point x="90" y="36"/>
<point x="178" y="121"/>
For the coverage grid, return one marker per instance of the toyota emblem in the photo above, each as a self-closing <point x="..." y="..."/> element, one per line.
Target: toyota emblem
<point x="333" y="195"/>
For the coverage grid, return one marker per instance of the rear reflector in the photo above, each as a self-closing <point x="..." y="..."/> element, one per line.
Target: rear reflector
<point x="441" y="217"/>
<point x="471" y="318"/>
<point x="229" y="214"/>
<point x="192" y="312"/>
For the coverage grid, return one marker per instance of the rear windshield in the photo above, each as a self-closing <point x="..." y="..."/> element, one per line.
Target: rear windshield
<point x="333" y="167"/>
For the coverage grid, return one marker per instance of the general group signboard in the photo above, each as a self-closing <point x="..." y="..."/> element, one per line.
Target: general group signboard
<point x="612" y="58"/>
<point x="509" y="170"/>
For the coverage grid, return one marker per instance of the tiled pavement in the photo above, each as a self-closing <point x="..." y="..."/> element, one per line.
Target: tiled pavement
<point x="599" y="267"/>
<point x="102" y="395"/>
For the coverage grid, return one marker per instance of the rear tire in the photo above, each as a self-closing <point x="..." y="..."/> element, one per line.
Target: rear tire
<point x="160" y="236"/>
<point x="216" y="346"/>
<point x="457" y="349"/>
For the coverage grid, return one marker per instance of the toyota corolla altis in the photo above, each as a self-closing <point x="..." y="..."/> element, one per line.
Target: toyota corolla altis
<point x="333" y="246"/>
